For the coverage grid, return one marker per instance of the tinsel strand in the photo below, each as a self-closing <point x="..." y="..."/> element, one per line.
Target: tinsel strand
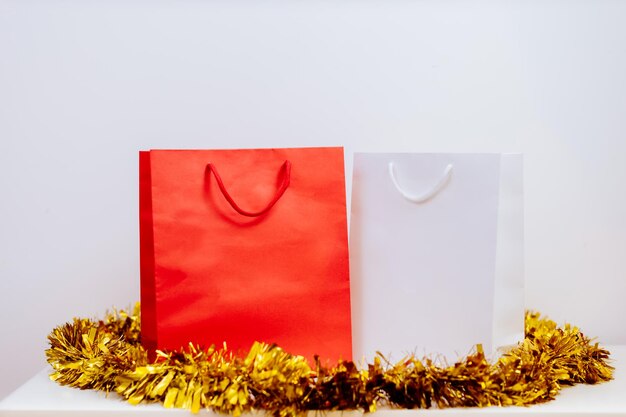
<point x="107" y="355"/>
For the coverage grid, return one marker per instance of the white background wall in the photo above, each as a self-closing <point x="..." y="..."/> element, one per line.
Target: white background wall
<point x="84" y="85"/>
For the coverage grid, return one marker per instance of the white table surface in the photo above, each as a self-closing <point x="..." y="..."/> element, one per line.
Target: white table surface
<point x="40" y="397"/>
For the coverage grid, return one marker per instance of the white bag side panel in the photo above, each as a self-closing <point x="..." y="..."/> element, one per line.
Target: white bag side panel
<point x="508" y="306"/>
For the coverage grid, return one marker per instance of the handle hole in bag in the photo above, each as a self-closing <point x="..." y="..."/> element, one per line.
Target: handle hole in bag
<point x="285" y="170"/>
<point x="428" y="194"/>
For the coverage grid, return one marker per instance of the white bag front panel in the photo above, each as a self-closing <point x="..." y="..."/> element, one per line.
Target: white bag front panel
<point x="422" y="274"/>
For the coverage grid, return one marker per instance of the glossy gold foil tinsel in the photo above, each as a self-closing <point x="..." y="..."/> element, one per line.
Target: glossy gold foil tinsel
<point x="107" y="355"/>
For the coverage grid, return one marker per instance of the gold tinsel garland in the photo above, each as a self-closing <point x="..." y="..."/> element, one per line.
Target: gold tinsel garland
<point x="107" y="355"/>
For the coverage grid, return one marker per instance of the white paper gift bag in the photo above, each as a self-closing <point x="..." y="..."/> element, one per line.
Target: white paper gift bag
<point x="436" y="253"/>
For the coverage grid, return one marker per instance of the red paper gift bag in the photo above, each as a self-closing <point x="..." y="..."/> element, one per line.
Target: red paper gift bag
<point x="245" y="245"/>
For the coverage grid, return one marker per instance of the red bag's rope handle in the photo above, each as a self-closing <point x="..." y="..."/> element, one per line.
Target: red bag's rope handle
<point x="286" y="168"/>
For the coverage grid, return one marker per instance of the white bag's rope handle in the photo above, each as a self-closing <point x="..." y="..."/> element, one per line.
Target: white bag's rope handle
<point x="424" y="197"/>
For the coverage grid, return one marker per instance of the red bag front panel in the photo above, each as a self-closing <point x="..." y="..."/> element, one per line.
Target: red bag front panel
<point x="219" y="276"/>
